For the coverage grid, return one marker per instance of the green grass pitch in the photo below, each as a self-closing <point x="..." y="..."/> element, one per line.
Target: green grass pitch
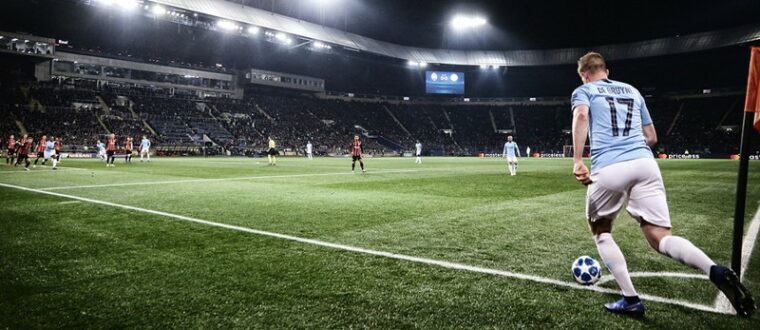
<point x="69" y="263"/>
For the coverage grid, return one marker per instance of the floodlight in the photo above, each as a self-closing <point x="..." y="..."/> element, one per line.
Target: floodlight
<point x="460" y="22"/>
<point x="158" y="10"/>
<point x="253" y="29"/>
<point x="423" y="64"/>
<point x="412" y="63"/>
<point x="227" y="25"/>
<point x="484" y="66"/>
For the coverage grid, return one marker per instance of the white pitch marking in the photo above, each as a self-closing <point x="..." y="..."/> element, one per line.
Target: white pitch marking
<point x="721" y="302"/>
<point x="608" y="278"/>
<point x="44" y="170"/>
<point x="69" y="202"/>
<point x="391" y="255"/>
<point x="150" y="183"/>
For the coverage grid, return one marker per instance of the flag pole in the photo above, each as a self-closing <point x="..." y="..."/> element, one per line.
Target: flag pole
<point x="741" y="191"/>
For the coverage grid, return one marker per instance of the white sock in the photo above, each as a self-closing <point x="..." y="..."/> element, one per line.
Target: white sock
<point x="615" y="261"/>
<point x="55" y="163"/>
<point x="686" y="253"/>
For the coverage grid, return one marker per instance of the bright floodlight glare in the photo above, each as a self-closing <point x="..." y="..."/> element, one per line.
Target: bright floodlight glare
<point x="158" y="10"/>
<point x="227" y="25"/>
<point x="412" y="63"/>
<point x="467" y="22"/>
<point x="124" y="4"/>
<point x="494" y="67"/>
<point x="423" y="64"/>
<point x="484" y="66"/>
<point x="253" y="29"/>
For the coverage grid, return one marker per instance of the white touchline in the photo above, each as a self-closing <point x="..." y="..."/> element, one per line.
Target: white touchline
<point x="151" y="183"/>
<point x="391" y="255"/>
<point x="721" y="302"/>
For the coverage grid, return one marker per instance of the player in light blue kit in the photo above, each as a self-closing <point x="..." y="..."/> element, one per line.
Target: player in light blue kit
<point x="144" y="148"/>
<point x="623" y="170"/>
<point x="101" y="150"/>
<point x="511" y="152"/>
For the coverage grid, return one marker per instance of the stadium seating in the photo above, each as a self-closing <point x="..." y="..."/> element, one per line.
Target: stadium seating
<point x="705" y="125"/>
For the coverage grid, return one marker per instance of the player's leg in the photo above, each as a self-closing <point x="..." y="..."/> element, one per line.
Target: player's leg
<point x="515" y="165"/>
<point x="27" y="162"/>
<point x="604" y="199"/>
<point x="648" y="204"/>
<point x="39" y="155"/>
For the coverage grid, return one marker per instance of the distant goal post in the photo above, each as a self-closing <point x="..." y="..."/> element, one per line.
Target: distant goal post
<point x="567" y="150"/>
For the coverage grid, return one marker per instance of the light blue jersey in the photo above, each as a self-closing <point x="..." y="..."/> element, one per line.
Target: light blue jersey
<point x="49" y="146"/>
<point x="101" y="147"/>
<point x="510" y="149"/>
<point x="145" y="144"/>
<point x="617" y="112"/>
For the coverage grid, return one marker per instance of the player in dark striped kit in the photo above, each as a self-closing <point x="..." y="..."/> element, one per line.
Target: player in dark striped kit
<point x="23" y="151"/>
<point x="356" y="153"/>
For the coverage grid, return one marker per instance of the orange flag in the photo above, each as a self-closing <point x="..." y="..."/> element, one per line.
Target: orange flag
<point x="752" y="103"/>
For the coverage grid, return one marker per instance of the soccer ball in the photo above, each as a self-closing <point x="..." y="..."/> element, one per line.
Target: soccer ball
<point x="586" y="270"/>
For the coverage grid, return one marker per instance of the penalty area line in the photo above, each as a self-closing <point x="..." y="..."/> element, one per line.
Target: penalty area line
<point x="244" y="178"/>
<point x="377" y="253"/>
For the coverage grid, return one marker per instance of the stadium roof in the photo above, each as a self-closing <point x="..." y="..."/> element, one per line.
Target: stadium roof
<point x="351" y="41"/>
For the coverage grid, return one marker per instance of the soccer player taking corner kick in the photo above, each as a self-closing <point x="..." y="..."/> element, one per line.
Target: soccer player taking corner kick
<point x="623" y="169"/>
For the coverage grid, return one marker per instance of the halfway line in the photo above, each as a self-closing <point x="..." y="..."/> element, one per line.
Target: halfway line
<point x="391" y="255"/>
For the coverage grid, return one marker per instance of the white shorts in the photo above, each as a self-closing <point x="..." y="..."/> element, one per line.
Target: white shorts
<point x="145" y="151"/>
<point x="49" y="154"/>
<point x="511" y="159"/>
<point x="637" y="182"/>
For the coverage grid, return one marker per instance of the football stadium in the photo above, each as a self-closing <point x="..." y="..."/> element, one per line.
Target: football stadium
<point x="345" y="164"/>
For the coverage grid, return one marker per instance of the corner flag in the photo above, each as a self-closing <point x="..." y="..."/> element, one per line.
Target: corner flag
<point x="752" y="103"/>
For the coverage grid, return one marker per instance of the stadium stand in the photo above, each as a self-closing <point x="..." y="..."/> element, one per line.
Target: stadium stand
<point x="76" y="113"/>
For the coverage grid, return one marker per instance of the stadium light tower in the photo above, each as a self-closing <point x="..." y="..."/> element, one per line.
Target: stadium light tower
<point x="464" y="22"/>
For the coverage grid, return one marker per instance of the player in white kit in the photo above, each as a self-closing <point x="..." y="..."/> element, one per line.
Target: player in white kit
<point x="511" y="152"/>
<point x="309" y="150"/>
<point x="144" y="148"/>
<point x="49" y="153"/>
<point x="623" y="171"/>
<point x="418" y="148"/>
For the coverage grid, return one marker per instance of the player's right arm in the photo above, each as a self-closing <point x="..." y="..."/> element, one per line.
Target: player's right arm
<point x="580" y="102"/>
<point x="647" y="126"/>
